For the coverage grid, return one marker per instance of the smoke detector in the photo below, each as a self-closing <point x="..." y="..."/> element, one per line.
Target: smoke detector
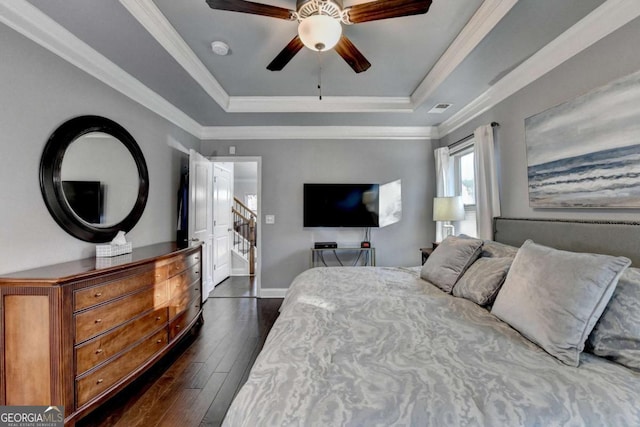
<point x="220" y="48"/>
<point x="439" y="108"/>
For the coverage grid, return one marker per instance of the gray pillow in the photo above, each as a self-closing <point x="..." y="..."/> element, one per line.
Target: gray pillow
<point x="449" y="260"/>
<point x="498" y="250"/>
<point x="482" y="280"/>
<point x="554" y="298"/>
<point x="493" y="249"/>
<point x="617" y="333"/>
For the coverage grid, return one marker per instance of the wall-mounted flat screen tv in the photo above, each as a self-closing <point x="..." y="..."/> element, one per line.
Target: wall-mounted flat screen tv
<point x="341" y="205"/>
<point x="86" y="200"/>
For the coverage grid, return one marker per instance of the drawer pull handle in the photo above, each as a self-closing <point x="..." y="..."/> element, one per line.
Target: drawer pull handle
<point x="197" y="272"/>
<point x="98" y="351"/>
<point x="100" y="381"/>
<point x="178" y="326"/>
<point x="196" y="258"/>
<point x="158" y="318"/>
<point x="159" y="341"/>
<point x="197" y="289"/>
<point x="98" y="320"/>
<point x="98" y="294"/>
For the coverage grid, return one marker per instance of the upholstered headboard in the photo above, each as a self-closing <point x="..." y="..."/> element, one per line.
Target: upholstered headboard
<point x="604" y="237"/>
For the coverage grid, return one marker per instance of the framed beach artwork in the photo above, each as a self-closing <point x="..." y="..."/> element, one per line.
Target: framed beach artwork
<point x="585" y="153"/>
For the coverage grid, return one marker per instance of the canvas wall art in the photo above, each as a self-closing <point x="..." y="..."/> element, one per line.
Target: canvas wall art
<point x="586" y="152"/>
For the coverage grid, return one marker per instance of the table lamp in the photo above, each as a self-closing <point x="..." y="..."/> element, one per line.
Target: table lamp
<point x="448" y="209"/>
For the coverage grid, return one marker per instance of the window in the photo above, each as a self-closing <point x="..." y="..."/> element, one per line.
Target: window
<point x="251" y="201"/>
<point x="464" y="185"/>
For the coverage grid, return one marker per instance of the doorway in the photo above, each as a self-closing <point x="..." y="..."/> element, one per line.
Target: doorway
<point x="245" y="249"/>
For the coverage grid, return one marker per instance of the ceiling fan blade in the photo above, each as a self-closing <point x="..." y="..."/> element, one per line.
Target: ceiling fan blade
<point x="251" y="7"/>
<point x="286" y="55"/>
<point x="385" y="9"/>
<point x="350" y="53"/>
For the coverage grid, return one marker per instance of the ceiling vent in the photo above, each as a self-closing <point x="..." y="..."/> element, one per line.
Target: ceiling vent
<point x="439" y="108"/>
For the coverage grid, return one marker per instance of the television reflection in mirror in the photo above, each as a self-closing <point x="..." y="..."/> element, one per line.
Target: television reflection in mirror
<point x="86" y="199"/>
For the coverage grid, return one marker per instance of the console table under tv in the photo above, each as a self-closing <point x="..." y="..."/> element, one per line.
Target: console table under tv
<point x="338" y="257"/>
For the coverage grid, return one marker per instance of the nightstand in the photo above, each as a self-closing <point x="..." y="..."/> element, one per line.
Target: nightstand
<point x="425" y="253"/>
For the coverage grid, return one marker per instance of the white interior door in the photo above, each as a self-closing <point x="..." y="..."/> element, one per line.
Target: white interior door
<point x="222" y="220"/>
<point x="200" y="213"/>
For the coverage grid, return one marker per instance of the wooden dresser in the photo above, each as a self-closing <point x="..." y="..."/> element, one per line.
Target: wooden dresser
<point x="74" y="334"/>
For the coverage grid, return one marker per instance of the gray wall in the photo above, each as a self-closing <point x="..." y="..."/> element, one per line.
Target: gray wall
<point x="38" y="92"/>
<point x="288" y="164"/>
<point x="611" y="58"/>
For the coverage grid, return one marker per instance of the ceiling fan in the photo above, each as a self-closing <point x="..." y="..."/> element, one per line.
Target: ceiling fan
<point x="320" y="24"/>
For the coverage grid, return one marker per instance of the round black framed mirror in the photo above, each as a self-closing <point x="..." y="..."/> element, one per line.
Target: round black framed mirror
<point x="93" y="178"/>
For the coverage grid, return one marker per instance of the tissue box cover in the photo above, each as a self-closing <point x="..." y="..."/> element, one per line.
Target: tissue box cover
<point x="113" y="250"/>
<point x="105" y="262"/>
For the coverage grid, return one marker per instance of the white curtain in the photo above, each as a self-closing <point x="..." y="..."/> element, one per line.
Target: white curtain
<point x="444" y="182"/>
<point x="486" y="176"/>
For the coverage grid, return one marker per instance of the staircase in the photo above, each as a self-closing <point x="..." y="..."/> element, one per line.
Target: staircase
<point x="244" y="237"/>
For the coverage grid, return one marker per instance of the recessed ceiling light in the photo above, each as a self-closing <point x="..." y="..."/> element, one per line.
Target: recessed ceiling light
<point x="220" y="48"/>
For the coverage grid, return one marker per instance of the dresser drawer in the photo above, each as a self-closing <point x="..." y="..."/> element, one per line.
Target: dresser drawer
<point x="181" y="322"/>
<point x="182" y="263"/>
<point x="96" y="382"/>
<point x="88" y="297"/>
<point x="104" y="347"/>
<point x="102" y="318"/>
<point x="180" y="283"/>
<point x="181" y="302"/>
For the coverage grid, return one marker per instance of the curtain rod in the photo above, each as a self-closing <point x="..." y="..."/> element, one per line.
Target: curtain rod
<point x="468" y="137"/>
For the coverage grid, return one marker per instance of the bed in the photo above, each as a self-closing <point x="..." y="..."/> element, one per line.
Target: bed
<point x="381" y="346"/>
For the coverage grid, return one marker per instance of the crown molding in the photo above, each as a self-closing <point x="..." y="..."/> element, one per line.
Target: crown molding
<point x="607" y="18"/>
<point x="35" y="25"/>
<point x="29" y="21"/>
<point x="488" y="15"/>
<point x="152" y="19"/>
<point x="38" y="27"/>
<point x="311" y="104"/>
<point x="482" y="22"/>
<point x="318" y="132"/>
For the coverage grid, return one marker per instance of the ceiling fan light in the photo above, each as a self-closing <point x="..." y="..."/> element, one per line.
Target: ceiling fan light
<point x="320" y="32"/>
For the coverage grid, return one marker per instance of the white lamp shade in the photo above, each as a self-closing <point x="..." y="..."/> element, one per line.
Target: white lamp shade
<point x="320" y="32"/>
<point x="448" y="208"/>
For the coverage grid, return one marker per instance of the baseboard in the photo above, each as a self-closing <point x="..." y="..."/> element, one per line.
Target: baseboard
<point x="208" y="286"/>
<point x="272" y="292"/>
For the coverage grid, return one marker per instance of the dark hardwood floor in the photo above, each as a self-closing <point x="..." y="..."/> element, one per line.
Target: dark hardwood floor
<point x="236" y="287"/>
<point x="196" y="382"/>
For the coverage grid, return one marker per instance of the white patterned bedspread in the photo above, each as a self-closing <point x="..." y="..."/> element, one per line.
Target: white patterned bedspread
<point x="376" y="346"/>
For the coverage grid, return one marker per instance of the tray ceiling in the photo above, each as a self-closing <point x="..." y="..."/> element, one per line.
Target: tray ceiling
<point x="455" y="53"/>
